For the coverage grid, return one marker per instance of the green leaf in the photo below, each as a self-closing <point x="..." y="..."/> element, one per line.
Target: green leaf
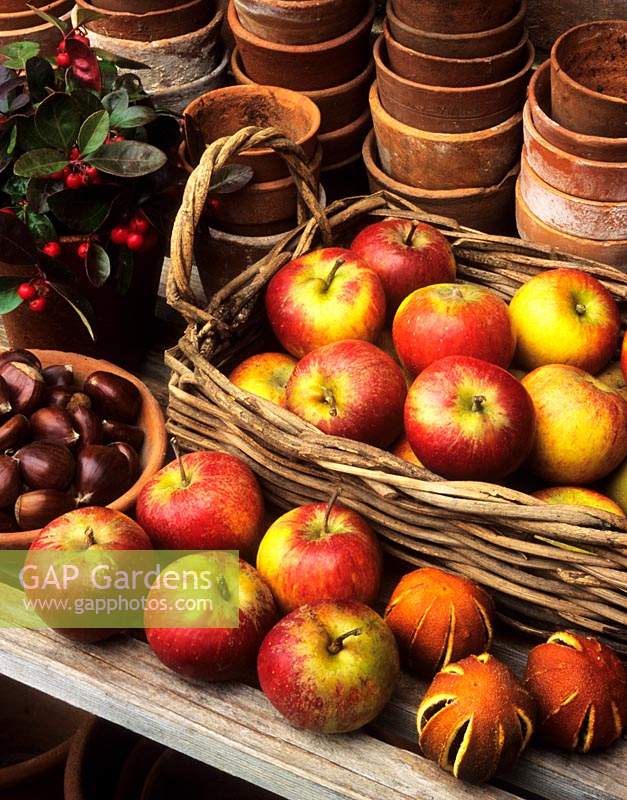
<point x="62" y="25"/>
<point x="135" y="116"/>
<point x="40" y="226"/>
<point x="57" y="121"/>
<point x="85" y="15"/>
<point x="39" y="163"/>
<point x="39" y="190"/>
<point x="84" y="210"/>
<point x="27" y="136"/>
<point x="126" y="267"/>
<point x="40" y="77"/>
<point x="98" y="265"/>
<point x="9" y="298"/>
<point x="128" y="159"/>
<point x="87" y="102"/>
<point x="16" y="242"/>
<point x="108" y="73"/>
<point x="17" y="54"/>
<point x="12" y="140"/>
<point x="119" y="61"/>
<point x="231" y="178"/>
<point x="93" y="132"/>
<point x="78" y="303"/>
<point x="116" y="102"/>
<point x="16" y="187"/>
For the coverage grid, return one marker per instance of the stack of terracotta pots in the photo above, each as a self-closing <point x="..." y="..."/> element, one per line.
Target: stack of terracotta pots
<point x="178" y="39"/>
<point x="451" y="83"/>
<point x="320" y="48"/>
<point x="20" y="23"/>
<point x="572" y="192"/>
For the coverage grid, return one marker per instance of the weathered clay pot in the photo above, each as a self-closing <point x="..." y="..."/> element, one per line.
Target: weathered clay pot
<point x="163" y="24"/>
<point x="299" y="21"/>
<point x="589" y="79"/>
<point x="531" y="228"/>
<point x="467" y="45"/>
<point x="14" y="21"/>
<point x="438" y="71"/>
<point x="46" y="34"/>
<point x="548" y="19"/>
<point x="429" y="160"/>
<point x="345" y="143"/>
<point x="21" y="5"/>
<point x="223" y="112"/>
<point x="595" y="148"/>
<point x="454" y="16"/>
<point x="137" y="768"/>
<point x="448" y="109"/>
<point x="304" y="67"/>
<point x="35" y="735"/>
<point x="593" y="180"/>
<point x="488" y="209"/>
<point x="177" y="98"/>
<point x="589" y="219"/>
<point x="337" y="105"/>
<point x="139" y="6"/>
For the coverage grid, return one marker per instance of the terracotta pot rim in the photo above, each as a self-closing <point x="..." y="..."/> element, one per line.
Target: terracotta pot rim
<point x="214" y="22"/>
<point x="347" y="130"/>
<point x="50" y="6"/>
<point x="304" y="49"/>
<point x="120" y="15"/>
<point x="36" y="765"/>
<point x="26" y="32"/>
<point x="171" y="92"/>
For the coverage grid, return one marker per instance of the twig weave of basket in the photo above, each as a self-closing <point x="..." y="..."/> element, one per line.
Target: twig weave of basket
<point x="548" y="566"/>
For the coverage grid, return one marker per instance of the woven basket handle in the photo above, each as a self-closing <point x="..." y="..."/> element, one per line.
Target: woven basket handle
<point x="216" y="155"/>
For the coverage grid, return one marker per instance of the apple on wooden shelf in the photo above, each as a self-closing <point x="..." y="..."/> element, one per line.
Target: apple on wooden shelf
<point x="329" y="667"/>
<point x="578" y="496"/>
<point x="351" y="389"/>
<point x="320" y="551"/>
<point x="406" y="255"/>
<point x="450" y="319"/>
<point x="565" y="316"/>
<point x="467" y="419"/>
<point x="265" y="375"/>
<point x="325" y="296"/>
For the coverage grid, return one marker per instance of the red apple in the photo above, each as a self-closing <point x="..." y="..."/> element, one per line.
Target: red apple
<point x="623" y="357"/>
<point x="451" y="319"/>
<point x="265" y="375"/>
<point x="350" y="389"/>
<point x="205" y="652"/>
<point x="467" y="419"/>
<point x="321" y="551"/>
<point x="329" y="667"/>
<point x="403" y="450"/>
<point x="406" y="255"/>
<point x="203" y="501"/>
<point x="323" y="297"/>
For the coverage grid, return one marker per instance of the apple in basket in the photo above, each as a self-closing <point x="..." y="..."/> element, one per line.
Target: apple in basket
<point x="578" y="496"/>
<point x="467" y="419"/>
<point x="623" y="357"/>
<point x="329" y="667"/>
<point x="265" y="375"/>
<point x="325" y="296"/>
<point x="406" y="255"/>
<point x="350" y="389"/>
<point x="616" y="486"/>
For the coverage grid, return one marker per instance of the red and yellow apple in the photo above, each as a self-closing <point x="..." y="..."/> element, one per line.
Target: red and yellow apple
<point x="565" y="316"/>
<point x="350" y="389"/>
<point x="329" y="667"/>
<point x="323" y="297"/>
<point x="613" y="376"/>
<point x="467" y="419"/>
<point x="406" y="255"/>
<point x="403" y="450"/>
<point x="578" y="496"/>
<point x="623" y="357"/>
<point x="616" y="486"/>
<point x="265" y="375"/>
<point x="321" y="551"/>
<point x="451" y="319"/>
<point x="203" y="501"/>
<point x="581" y="426"/>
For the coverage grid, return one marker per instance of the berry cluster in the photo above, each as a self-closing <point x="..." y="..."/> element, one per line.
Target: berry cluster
<point x="64" y="59"/>
<point x="132" y="236"/>
<point x="35" y="293"/>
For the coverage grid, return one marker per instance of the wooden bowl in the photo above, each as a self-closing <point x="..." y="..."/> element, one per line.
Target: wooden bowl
<point x="589" y="79"/>
<point x="446" y="109"/>
<point x="466" y="45"/>
<point x="161" y="24"/>
<point x="453" y="16"/>
<point x="150" y="419"/>
<point x="430" y="160"/>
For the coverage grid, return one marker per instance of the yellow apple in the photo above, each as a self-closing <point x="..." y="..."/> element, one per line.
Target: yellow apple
<point x="578" y="496"/>
<point x="265" y="375"/>
<point x="617" y="486"/>
<point x="613" y="376"/>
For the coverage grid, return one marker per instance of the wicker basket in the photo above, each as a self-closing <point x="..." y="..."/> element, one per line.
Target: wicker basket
<point x="548" y="566"/>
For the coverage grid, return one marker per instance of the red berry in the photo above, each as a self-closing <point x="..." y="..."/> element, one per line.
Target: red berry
<point x="135" y="241"/>
<point x="214" y="204"/>
<point x="26" y="291"/>
<point x="140" y="224"/>
<point x="56" y="176"/>
<point x="38" y="305"/>
<point x="118" y="138"/>
<point x="8" y="211"/>
<point x="91" y="173"/>
<point x="119" y="235"/>
<point x="75" y="153"/>
<point x="61" y="47"/>
<point x="52" y="249"/>
<point x="63" y="60"/>
<point x="74" y="180"/>
<point x="80" y="38"/>
<point x="66" y="171"/>
<point x="82" y="251"/>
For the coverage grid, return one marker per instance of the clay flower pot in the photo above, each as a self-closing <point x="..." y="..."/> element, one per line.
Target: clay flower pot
<point x="592" y="180"/>
<point x="594" y="148"/>
<point x="304" y="67"/>
<point x="137" y="768"/>
<point x="429" y="160"/>
<point x="467" y="45"/>
<point x="161" y="24"/>
<point x="177" y="98"/>
<point x="337" y="104"/>
<point x="20" y="5"/>
<point x="139" y="6"/>
<point x="150" y="420"/>
<point x="589" y="79"/>
<point x="454" y="16"/>
<point x="448" y="109"/>
<point x="345" y="143"/>
<point x="486" y="209"/>
<point x="299" y="21"/>
<point x="223" y="112"/>
<point x="14" y="21"/>
<point x="45" y="33"/>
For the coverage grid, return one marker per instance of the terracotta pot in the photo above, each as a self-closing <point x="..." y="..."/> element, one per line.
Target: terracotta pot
<point x="14" y="21"/>
<point x="35" y="735"/>
<point x="179" y="97"/>
<point x="46" y="34"/>
<point x="223" y="112"/>
<point x="589" y="79"/>
<point x="548" y="19"/>
<point x="444" y="160"/>
<point x="162" y="24"/>
<point x="588" y="219"/>
<point x="592" y="180"/>
<point x="337" y="105"/>
<point x="531" y="228"/>
<point x="304" y="67"/>
<point x="594" y="148"/>
<point x="139" y="6"/>
<point x="137" y="768"/>
<point x="438" y="71"/>
<point x="454" y="16"/>
<point x="345" y="143"/>
<point x="299" y="21"/>
<point x="468" y="45"/>
<point x="21" y="5"/>
<point x="346" y="179"/>
<point x="488" y="209"/>
<point x="150" y="420"/>
<point x="446" y="109"/>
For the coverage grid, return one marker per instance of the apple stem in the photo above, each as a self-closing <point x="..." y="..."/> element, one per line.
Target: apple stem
<point x="337" y="644"/>
<point x="329" y="508"/>
<point x="329" y="399"/>
<point x="580" y="309"/>
<point x="223" y="588"/>
<point x="177" y="453"/>
<point x="410" y="236"/>
<point x="89" y="535"/>
<point x="478" y="401"/>
<point x="331" y="275"/>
